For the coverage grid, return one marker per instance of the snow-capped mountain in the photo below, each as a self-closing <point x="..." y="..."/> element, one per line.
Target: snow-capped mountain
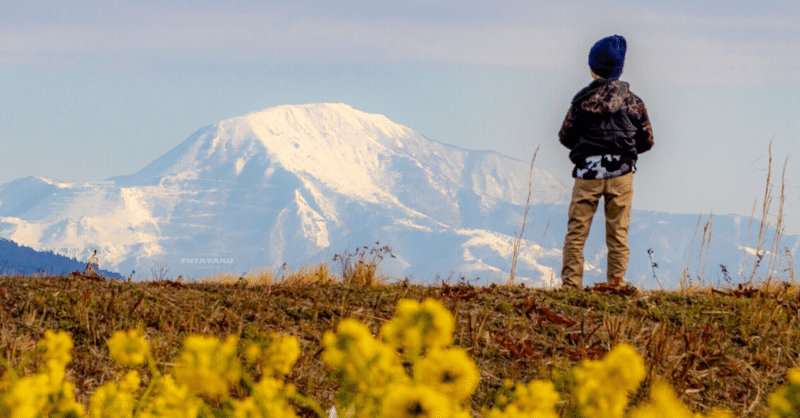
<point x="294" y="184"/>
<point x="299" y="184"/>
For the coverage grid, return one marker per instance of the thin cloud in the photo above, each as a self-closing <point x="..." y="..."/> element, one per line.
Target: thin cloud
<point x="699" y="47"/>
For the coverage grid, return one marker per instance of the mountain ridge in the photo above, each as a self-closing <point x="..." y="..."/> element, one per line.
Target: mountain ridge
<point x="19" y="260"/>
<point x="298" y="184"/>
<point x="280" y="181"/>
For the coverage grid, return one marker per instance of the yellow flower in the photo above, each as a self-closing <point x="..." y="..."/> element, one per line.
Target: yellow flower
<point x="174" y="400"/>
<point x="351" y="339"/>
<point x="279" y="353"/>
<point x="452" y="372"/>
<point x="363" y="366"/>
<point x="537" y="399"/>
<point x="603" y="386"/>
<point x="46" y="393"/>
<point x="416" y="402"/>
<point x="130" y="381"/>
<point x="64" y="402"/>
<point x="268" y="400"/>
<point x="419" y="326"/>
<point x="208" y="366"/>
<point x="785" y="402"/>
<point x="57" y="346"/>
<point x="720" y="413"/>
<point x="128" y="348"/>
<point x="55" y="373"/>
<point x="794" y="376"/>
<point x="108" y="401"/>
<point x="28" y="396"/>
<point x="246" y="409"/>
<point x="663" y="404"/>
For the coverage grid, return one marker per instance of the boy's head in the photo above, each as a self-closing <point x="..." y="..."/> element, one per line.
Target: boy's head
<point x="607" y="57"/>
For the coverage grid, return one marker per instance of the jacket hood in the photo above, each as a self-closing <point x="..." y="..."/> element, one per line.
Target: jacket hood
<point x="603" y="96"/>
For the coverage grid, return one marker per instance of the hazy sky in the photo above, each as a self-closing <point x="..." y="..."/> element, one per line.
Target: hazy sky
<point x="93" y="89"/>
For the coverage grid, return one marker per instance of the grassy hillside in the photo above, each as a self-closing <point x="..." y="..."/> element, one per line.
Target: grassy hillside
<point x="717" y="347"/>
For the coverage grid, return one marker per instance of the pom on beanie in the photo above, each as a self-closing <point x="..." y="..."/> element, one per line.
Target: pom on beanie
<point x="607" y="57"/>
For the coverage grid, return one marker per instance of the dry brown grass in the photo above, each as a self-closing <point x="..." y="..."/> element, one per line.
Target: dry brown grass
<point x="518" y="240"/>
<point x="718" y="347"/>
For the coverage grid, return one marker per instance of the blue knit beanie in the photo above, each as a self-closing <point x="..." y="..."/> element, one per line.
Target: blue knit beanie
<point x="607" y="57"/>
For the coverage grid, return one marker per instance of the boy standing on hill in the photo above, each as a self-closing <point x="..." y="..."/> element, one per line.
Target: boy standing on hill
<point x="605" y="129"/>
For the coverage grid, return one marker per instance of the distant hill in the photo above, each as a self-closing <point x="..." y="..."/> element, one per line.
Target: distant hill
<point x="21" y="260"/>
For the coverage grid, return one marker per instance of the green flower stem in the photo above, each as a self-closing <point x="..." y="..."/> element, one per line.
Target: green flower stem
<point x="155" y="376"/>
<point x="9" y="369"/>
<point x="308" y="403"/>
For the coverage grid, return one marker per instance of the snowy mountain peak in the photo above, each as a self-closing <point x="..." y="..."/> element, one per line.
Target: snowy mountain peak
<point x="316" y="121"/>
<point x="333" y="143"/>
<point x="288" y="184"/>
<point x="362" y="155"/>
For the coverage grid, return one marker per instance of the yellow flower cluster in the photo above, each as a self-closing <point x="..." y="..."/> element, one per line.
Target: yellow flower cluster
<point x="418" y="401"/>
<point x="363" y="366"/>
<point x="537" y="399"/>
<point x="603" y="385"/>
<point x="115" y="400"/>
<point x="602" y="389"/>
<point x="46" y="393"/>
<point x="208" y="366"/>
<point x="172" y="400"/>
<point x="281" y="351"/>
<point x="128" y="348"/>
<point x="411" y="371"/>
<point x="450" y="372"/>
<point x="785" y="403"/>
<point x="416" y="326"/>
<point x="370" y="373"/>
<point x="664" y="404"/>
<point x="206" y="371"/>
<point x="267" y="400"/>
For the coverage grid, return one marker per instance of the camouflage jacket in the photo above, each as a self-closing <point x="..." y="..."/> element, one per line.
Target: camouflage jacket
<point x="606" y="128"/>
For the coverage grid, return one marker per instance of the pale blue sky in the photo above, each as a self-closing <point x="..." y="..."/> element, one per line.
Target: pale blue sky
<point x="93" y="89"/>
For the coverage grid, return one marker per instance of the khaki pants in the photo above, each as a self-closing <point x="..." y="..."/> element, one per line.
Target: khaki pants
<point x="617" y="193"/>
